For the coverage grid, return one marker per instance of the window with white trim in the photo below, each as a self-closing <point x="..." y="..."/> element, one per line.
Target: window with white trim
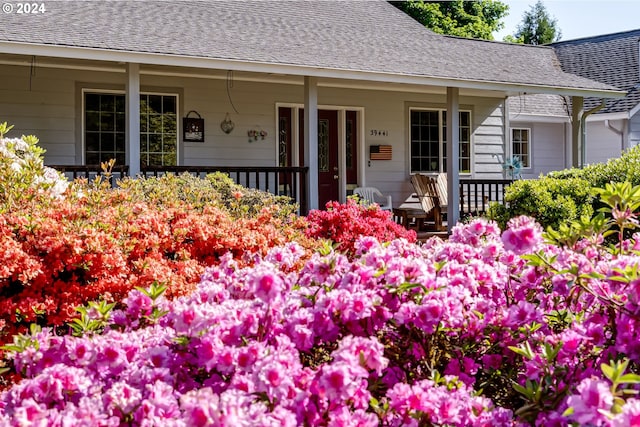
<point x="521" y="145"/>
<point x="105" y="121"/>
<point x="428" y="140"/>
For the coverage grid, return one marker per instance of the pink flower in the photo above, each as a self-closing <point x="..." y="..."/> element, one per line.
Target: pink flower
<point x="523" y="235"/>
<point x="593" y="396"/>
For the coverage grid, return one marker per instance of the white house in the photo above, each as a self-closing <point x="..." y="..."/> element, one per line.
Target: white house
<point x="320" y="84"/>
<point x="541" y="125"/>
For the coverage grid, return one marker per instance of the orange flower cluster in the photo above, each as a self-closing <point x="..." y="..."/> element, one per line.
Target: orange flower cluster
<point x="58" y="255"/>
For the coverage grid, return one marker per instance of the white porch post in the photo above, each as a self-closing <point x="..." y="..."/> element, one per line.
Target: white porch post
<point x="133" y="118"/>
<point x="453" y="157"/>
<point x="577" y="145"/>
<point x="311" y="138"/>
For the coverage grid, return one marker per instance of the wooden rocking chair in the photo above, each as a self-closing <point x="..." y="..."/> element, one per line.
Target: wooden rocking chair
<point x="426" y="188"/>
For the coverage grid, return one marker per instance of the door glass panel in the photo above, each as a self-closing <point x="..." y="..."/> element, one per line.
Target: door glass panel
<point x="349" y="144"/>
<point x="323" y="145"/>
<point x="282" y="143"/>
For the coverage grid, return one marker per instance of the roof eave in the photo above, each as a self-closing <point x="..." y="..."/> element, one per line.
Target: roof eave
<point x="74" y="52"/>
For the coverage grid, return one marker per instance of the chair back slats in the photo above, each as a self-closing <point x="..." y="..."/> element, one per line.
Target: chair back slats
<point x="427" y="191"/>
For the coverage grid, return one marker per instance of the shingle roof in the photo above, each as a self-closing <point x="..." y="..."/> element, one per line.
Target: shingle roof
<point x="610" y="59"/>
<point x="370" y="36"/>
<point x="538" y="104"/>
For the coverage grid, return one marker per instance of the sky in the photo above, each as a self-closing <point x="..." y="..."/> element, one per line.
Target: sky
<point x="578" y="18"/>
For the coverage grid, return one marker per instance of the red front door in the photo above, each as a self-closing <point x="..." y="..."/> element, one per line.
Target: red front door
<point x="328" y="172"/>
<point x="327" y="157"/>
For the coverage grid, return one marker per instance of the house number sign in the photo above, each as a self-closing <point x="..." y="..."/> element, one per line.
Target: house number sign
<point x="377" y="132"/>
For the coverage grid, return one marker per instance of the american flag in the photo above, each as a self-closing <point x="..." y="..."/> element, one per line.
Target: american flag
<point x="380" y="152"/>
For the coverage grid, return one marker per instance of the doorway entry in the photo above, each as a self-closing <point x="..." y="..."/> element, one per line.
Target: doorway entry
<point x="337" y="148"/>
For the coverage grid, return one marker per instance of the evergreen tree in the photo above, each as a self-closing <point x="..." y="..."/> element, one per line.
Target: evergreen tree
<point x="537" y="27"/>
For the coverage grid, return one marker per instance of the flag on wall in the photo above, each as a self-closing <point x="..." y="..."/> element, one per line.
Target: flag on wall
<point x="380" y="152"/>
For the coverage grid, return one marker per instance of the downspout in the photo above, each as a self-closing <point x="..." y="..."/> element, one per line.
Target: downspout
<point x="583" y="129"/>
<point x="620" y="132"/>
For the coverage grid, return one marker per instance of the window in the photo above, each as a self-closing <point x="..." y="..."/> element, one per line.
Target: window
<point x="428" y="141"/>
<point x="104" y="130"/>
<point x="521" y="145"/>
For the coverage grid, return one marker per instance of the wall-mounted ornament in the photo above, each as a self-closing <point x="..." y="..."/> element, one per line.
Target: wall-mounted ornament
<point x="380" y="152"/>
<point x="193" y="128"/>
<point x="227" y="125"/>
<point x="255" y="134"/>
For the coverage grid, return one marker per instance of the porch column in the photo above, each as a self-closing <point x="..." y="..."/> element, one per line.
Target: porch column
<point x="311" y="138"/>
<point x="453" y="157"/>
<point x="577" y="145"/>
<point x="133" y="118"/>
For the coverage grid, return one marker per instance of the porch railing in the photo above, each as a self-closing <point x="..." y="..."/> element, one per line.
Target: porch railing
<point x="282" y="181"/>
<point x="478" y="194"/>
<point x="91" y="171"/>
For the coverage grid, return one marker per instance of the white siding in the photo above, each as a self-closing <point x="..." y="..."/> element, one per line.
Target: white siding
<point x="488" y="139"/>
<point x="548" y="147"/>
<point x="601" y="143"/>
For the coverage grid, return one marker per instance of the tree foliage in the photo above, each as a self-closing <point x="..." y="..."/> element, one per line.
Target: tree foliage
<point x="471" y="19"/>
<point x="537" y="27"/>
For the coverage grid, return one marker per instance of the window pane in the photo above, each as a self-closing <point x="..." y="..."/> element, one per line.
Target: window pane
<point x="107" y="122"/>
<point x="120" y="103"/>
<point x="155" y="159"/>
<point x="92" y="122"/>
<point x="169" y="123"/>
<point x="155" y="103"/>
<point x="107" y="143"/>
<point x="155" y="143"/>
<point x="93" y="141"/>
<point x="120" y="142"/>
<point x="169" y="104"/>
<point x="121" y="121"/>
<point x="169" y="144"/>
<point x="107" y="103"/>
<point x="92" y="102"/>
<point x="92" y="158"/>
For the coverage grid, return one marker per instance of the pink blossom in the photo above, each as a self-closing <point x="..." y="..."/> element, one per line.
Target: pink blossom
<point x="523" y="235"/>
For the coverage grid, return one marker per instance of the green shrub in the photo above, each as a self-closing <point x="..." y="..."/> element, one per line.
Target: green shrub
<point x="217" y="189"/>
<point x="625" y="168"/>
<point x="564" y="196"/>
<point x="551" y="201"/>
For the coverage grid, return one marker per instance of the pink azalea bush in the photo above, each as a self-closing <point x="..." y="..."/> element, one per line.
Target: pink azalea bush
<point x="481" y="330"/>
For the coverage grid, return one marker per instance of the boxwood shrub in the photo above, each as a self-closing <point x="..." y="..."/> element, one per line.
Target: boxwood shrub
<point x="563" y="196"/>
<point x="551" y="201"/>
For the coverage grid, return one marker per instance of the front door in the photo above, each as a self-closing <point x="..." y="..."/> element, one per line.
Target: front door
<point x="328" y="181"/>
<point x="328" y="168"/>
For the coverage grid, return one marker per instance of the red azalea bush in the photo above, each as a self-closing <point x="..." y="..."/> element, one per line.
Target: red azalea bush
<point x="73" y="250"/>
<point x="345" y="223"/>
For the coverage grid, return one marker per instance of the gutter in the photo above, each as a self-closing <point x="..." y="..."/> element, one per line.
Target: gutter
<point x="620" y="132"/>
<point x="583" y="129"/>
